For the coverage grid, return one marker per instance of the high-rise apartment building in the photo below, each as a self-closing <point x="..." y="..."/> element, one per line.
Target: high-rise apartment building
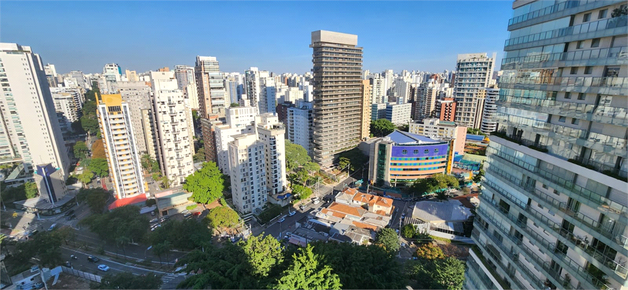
<point x="337" y="97"/>
<point x="399" y="114"/>
<point x="365" y="90"/>
<point x="238" y="120"/>
<point x="119" y="140"/>
<point x="173" y="128"/>
<point x="299" y="127"/>
<point x="112" y="72"/>
<point x="441" y="130"/>
<point x="490" y="96"/>
<point x="473" y="72"/>
<point x="30" y="132"/>
<point x="187" y="84"/>
<point x="554" y="202"/>
<point x="446" y="108"/>
<point x="138" y="96"/>
<point x="257" y="163"/>
<point x="210" y="87"/>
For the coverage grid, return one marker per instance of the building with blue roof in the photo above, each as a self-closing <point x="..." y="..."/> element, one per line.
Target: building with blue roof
<point x="405" y="157"/>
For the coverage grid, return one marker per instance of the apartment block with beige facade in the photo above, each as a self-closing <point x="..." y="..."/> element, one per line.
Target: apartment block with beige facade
<point x="172" y="125"/>
<point x="441" y="130"/>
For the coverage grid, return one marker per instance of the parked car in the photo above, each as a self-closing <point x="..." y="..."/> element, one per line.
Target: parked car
<point x="302" y="207"/>
<point x="92" y="259"/>
<point x="316" y="200"/>
<point x="187" y="214"/>
<point x="33" y="233"/>
<point x="52" y="227"/>
<point x="67" y="264"/>
<point x="282" y="219"/>
<point x="73" y="257"/>
<point x="103" y="267"/>
<point x="291" y="213"/>
<point x="154" y="220"/>
<point x="34" y="269"/>
<point x="38" y="285"/>
<point x="69" y="212"/>
<point x="198" y="213"/>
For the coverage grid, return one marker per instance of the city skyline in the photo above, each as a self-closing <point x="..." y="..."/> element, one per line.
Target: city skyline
<point x="423" y="35"/>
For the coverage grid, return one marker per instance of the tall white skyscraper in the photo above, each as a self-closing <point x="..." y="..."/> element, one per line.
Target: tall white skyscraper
<point x="187" y="84"/>
<point x="120" y="142"/>
<point x="174" y="133"/>
<point x="138" y="96"/>
<point x="299" y="125"/>
<point x="30" y="132"/>
<point x="238" y="120"/>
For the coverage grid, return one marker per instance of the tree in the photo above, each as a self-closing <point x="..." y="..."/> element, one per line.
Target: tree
<point x="30" y="188"/>
<point x="350" y="260"/>
<point x="161" y="249"/>
<point x="301" y="192"/>
<point x="478" y="177"/>
<point x="89" y="124"/>
<point x="80" y="149"/>
<point x="126" y="280"/>
<point x="188" y="234"/>
<point x="343" y="163"/>
<point x="86" y="176"/>
<point x="429" y="251"/>
<point x="617" y="12"/>
<point x="206" y="184"/>
<point x="122" y="225"/>
<point x="222" y="217"/>
<point x="408" y="231"/>
<point x="234" y="105"/>
<point x="263" y="254"/>
<point x="356" y="157"/>
<point x="77" y="128"/>
<point x="98" y="150"/>
<point x="149" y="164"/>
<point x="165" y="182"/>
<point x="296" y="156"/>
<point x="96" y="198"/>
<point x="448" y="274"/>
<point x="307" y="272"/>
<point x="99" y="166"/>
<point x="312" y="167"/>
<point x="200" y="155"/>
<point x="382" y="127"/>
<point x="388" y="239"/>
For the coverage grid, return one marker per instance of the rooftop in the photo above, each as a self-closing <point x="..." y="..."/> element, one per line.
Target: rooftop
<point x="400" y="137"/>
<point x="127" y="201"/>
<point x="438" y="211"/>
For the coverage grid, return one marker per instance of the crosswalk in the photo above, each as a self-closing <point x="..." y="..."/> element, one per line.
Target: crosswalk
<point x="170" y="281"/>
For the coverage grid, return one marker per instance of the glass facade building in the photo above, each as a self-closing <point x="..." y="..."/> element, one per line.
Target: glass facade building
<point x="553" y="209"/>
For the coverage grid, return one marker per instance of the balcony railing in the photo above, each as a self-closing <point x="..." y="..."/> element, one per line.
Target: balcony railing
<point x="571" y="30"/>
<point x="549" y="59"/>
<point x="548" y="10"/>
<point x="602" y="82"/>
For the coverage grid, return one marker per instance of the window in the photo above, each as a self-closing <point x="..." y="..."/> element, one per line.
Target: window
<point x="595" y="42"/>
<point x="573" y="71"/>
<point x="567" y="95"/>
<point x="579" y="46"/>
<point x="416" y="151"/>
<point x="426" y="151"/>
<point x="588" y="70"/>
<point x="581" y="96"/>
<point x="575" y="121"/>
<point x="586" y="17"/>
<point x="404" y="152"/>
<point x="602" y="14"/>
<point x="545" y="186"/>
<point x="436" y="150"/>
<point x="562" y="119"/>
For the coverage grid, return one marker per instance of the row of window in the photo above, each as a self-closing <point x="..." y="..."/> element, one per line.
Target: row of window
<point x="416" y="158"/>
<point x="426" y="151"/>
<point x="415" y="164"/>
<point x="415" y="169"/>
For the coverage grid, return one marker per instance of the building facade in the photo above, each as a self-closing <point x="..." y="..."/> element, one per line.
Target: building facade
<point x="238" y="120"/>
<point x="441" y="130"/>
<point x="299" y="125"/>
<point x="490" y="96"/>
<point x="186" y="78"/>
<point x="120" y="142"/>
<point x="138" y="96"/>
<point x="172" y="126"/>
<point x="447" y="109"/>
<point x="399" y="114"/>
<point x="365" y="89"/>
<point x="554" y="206"/>
<point x="405" y="157"/>
<point x="473" y="72"/>
<point x="30" y="132"/>
<point x="337" y="98"/>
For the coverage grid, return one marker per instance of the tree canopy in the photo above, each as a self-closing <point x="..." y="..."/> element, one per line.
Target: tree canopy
<point x="263" y="254"/>
<point x="355" y="157"/>
<point x="382" y="127"/>
<point x="308" y="272"/>
<point x="301" y="192"/>
<point x="127" y="280"/>
<point x="429" y="251"/>
<point x="206" y="184"/>
<point x="80" y="149"/>
<point x="296" y="156"/>
<point x="436" y="182"/>
<point x="98" y="150"/>
<point x="149" y="164"/>
<point x="99" y="166"/>
<point x="188" y="234"/>
<point x="30" y="188"/>
<point x="121" y="225"/>
<point x="388" y="239"/>
<point x="222" y="217"/>
<point x="86" y="176"/>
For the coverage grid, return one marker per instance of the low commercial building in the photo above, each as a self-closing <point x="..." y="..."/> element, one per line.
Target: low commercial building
<point x="443" y="217"/>
<point x="405" y="157"/>
<point x="172" y="201"/>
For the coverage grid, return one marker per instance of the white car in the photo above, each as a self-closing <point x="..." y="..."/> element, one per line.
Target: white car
<point x="316" y="200"/>
<point x="52" y="227"/>
<point x="282" y="219"/>
<point x="291" y="213"/>
<point x="103" y="267"/>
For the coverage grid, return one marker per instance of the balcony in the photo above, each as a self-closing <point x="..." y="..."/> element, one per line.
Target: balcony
<point x="567" y="7"/>
<point x="591" y="57"/>
<point x="570" y="33"/>
<point x="602" y="85"/>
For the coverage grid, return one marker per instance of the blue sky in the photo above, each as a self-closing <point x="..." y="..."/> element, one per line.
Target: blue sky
<point x="275" y="36"/>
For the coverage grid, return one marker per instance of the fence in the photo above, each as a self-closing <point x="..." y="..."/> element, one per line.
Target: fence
<point x="84" y="275"/>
